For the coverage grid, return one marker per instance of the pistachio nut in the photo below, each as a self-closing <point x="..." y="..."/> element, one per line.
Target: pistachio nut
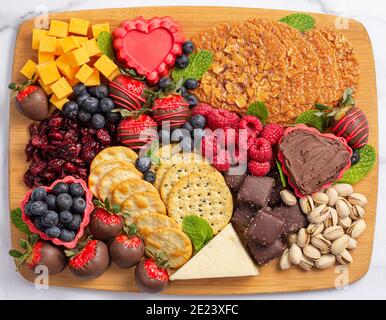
<point x="303" y="238"/>
<point x="357" y="199"/>
<point x="345" y="258"/>
<point x="353" y="244"/>
<point x="332" y="196"/>
<point x="311" y="252"/>
<point x="319" y="214"/>
<point x="344" y="189"/>
<point x="345" y="222"/>
<point x="325" y="251"/>
<point x="325" y="261"/>
<point x="342" y="206"/>
<point x="292" y="238"/>
<point x="315" y="229"/>
<point x="295" y="254"/>
<point x="333" y="233"/>
<point x="356" y="212"/>
<point x="285" y="261"/>
<point x="340" y="244"/>
<point x="288" y="198"/>
<point x="320" y="198"/>
<point x="320" y="242"/>
<point x="307" y="204"/>
<point x="356" y="229"/>
<point x="306" y="264"/>
<point x="332" y="220"/>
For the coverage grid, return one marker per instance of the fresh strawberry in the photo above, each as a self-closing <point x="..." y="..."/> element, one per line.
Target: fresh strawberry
<point x="127" y="92"/>
<point x="40" y="253"/>
<point x="135" y="132"/>
<point x="273" y="132"/>
<point x="151" y="275"/>
<point x="89" y="260"/>
<point x="171" y="111"/>
<point x="105" y="221"/>
<point x="261" y="150"/>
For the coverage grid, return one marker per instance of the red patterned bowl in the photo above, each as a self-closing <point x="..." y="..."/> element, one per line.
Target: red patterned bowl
<point x="325" y="135"/>
<point x="86" y="214"/>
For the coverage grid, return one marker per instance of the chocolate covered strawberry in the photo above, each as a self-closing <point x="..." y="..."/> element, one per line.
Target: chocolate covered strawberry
<point x="127" y="249"/>
<point x="40" y="253"/>
<point x="105" y="222"/>
<point x="134" y="132"/>
<point x="31" y="101"/>
<point x="127" y="92"/>
<point x="89" y="260"/>
<point x="151" y="275"/>
<point x="171" y="111"/>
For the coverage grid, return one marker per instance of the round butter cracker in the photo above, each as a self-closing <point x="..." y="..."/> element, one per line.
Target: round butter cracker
<point x="128" y="187"/>
<point x="114" y="153"/>
<point x="147" y="223"/>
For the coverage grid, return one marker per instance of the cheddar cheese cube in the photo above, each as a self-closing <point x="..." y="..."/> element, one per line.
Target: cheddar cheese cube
<point x="59" y="47"/>
<point x="78" y="57"/>
<point x="58" y="102"/>
<point x="115" y="74"/>
<point x="48" y="72"/>
<point x="47" y="44"/>
<point x="45" y="56"/>
<point x="84" y="73"/>
<point x="80" y="40"/>
<point x="61" y="88"/>
<point x="65" y="67"/>
<point x="58" y="29"/>
<point x="94" y="80"/>
<point x="46" y="88"/>
<point x="36" y="35"/>
<point x="72" y="82"/>
<point x="79" y="26"/>
<point x="98" y="28"/>
<point x="91" y="47"/>
<point x="69" y="43"/>
<point x="29" y="69"/>
<point x="105" y="66"/>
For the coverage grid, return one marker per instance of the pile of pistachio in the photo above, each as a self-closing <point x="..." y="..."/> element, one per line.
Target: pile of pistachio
<point x="336" y="221"/>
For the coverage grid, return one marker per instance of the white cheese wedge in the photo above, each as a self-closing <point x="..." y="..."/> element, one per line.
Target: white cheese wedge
<point x="224" y="256"/>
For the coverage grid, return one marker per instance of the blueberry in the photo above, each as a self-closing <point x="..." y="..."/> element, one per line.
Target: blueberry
<point x="187" y="126"/>
<point x="90" y="104"/>
<point x="164" y="83"/>
<point x="59" y="188"/>
<point x="84" y="116"/>
<point x="355" y="158"/>
<point x="188" y="47"/>
<point x="51" y="201"/>
<point x="79" y="90"/>
<point x="164" y="136"/>
<point x="192" y="100"/>
<point x="75" y="222"/>
<point x="38" y="224"/>
<point x="113" y="117"/>
<point x="70" y="109"/>
<point x="149" y="176"/>
<point x="53" y="232"/>
<point x="60" y="224"/>
<point x="99" y="92"/>
<point x="65" y="216"/>
<point x="98" y="121"/>
<point x="191" y="84"/>
<point x="183" y="91"/>
<point x="38" y="208"/>
<point x="186" y="144"/>
<point x="198" y="121"/>
<point x="66" y="235"/>
<point x="78" y="205"/>
<point x="106" y="104"/>
<point x="179" y="134"/>
<point x="39" y="194"/>
<point x="143" y="163"/>
<point x="63" y="202"/>
<point x="182" y="61"/>
<point x="50" y="218"/>
<point x="76" y="189"/>
<point x="27" y="209"/>
<point x="80" y="99"/>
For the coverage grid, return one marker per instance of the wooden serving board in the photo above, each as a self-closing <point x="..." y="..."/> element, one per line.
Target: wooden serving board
<point x="194" y="19"/>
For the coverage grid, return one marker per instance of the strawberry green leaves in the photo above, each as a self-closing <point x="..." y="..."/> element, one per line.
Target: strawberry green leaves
<point x="17" y="221"/>
<point x="300" y="21"/>
<point x="311" y="119"/>
<point x="105" y="44"/>
<point x="258" y="109"/>
<point x="198" y="230"/>
<point x="200" y="63"/>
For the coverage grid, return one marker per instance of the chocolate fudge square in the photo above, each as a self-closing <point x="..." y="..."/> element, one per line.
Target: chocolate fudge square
<point x="264" y="254"/>
<point x="265" y="228"/>
<point x="234" y="181"/>
<point x="242" y="217"/>
<point x="293" y="218"/>
<point x="255" y="191"/>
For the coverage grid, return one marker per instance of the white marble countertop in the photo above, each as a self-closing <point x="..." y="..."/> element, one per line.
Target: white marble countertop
<point x="370" y="13"/>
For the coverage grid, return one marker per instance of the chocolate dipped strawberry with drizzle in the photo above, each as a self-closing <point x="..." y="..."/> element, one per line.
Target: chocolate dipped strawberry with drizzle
<point x="105" y="221"/>
<point x="171" y="110"/>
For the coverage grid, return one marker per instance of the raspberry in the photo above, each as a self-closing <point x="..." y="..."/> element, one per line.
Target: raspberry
<point x="252" y="124"/>
<point x="261" y="150"/>
<point x="244" y="139"/>
<point x="209" y="146"/>
<point x="220" y="118"/>
<point x="227" y="138"/>
<point x="202" y="109"/>
<point x="273" y="133"/>
<point x="222" y="161"/>
<point x="258" y="169"/>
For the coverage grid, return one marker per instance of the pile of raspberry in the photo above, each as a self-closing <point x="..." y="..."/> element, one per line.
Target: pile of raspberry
<point x="258" y="140"/>
<point x="61" y="146"/>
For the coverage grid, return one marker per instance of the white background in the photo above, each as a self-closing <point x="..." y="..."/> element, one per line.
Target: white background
<point x="371" y="13"/>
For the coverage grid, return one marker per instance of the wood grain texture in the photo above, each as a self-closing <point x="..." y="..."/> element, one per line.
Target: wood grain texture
<point x="193" y="20"/>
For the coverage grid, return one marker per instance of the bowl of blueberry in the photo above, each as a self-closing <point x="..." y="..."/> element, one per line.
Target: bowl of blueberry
<point x="59" y="212"/>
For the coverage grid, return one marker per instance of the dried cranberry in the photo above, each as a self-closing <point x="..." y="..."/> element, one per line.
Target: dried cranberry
<point x="49" y="175"/>
<point x="55" y="122"/>
<point x="70" y="167"/>
<point x="38" y="168"/>
<point x="103" y="136"/>
<point x="55" y="136"/>
<point x="33" y="129"/>
<point x="82" y="172"/>
<point x="70" y="135"/>
<point x="88" y="155"/>
<point x="89" y="145"/>
<point x="55" y="165"/>
<point x="78" y="162"/>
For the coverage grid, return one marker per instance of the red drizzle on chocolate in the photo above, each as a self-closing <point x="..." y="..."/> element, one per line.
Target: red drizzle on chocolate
<point x="171" y="110"/>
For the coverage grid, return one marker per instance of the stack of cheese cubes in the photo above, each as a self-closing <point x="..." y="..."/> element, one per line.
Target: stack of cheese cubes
<point x="66" y="56"/>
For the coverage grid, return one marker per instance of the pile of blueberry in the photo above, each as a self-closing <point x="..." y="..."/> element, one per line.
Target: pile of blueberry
<point x="58" y="213"/>
<point x="91" y="106"/>
<point x="143" y="164"/>
<point x="182" y="62"/>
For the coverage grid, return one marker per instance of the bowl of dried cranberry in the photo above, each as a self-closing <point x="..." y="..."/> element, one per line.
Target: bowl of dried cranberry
<point x="60" y="212"/>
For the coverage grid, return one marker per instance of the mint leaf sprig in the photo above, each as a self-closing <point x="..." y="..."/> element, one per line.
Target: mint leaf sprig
<point x="198" y="230"/>
<point x="258" y="109"/>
